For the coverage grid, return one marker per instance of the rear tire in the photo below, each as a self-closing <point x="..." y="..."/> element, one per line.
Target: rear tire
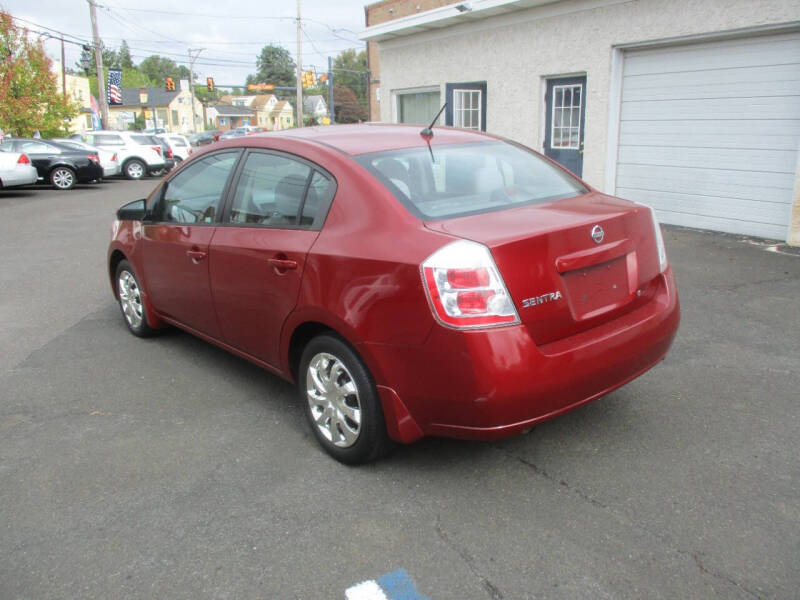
<point x="131" y="302"/>
<point x="134" y="169"/>
<point x="340" y="402"/>
<point x="62" y="178"/>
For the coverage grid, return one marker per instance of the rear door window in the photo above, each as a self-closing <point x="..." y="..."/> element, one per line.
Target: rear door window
<point x="270" y="191"/>
<point x="194" y="194"/>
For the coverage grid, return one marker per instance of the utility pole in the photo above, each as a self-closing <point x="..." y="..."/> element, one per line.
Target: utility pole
<point x="299" y="67"/>
<point x="63" y="70"/>
<point x="98" y="61"/>
<point x="330" y="89"/>
<point x="191" y="83"/>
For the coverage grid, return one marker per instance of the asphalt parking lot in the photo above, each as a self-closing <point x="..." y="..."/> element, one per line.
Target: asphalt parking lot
<point x="166" y="468"/>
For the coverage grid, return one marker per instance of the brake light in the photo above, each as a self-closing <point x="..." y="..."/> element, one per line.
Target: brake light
<point x="169" y="153"/>
<point x="114" y="158"/>
<point x="465" y="288"/>
<point x="93" y="157"/>
<point x="23" y="160"/>
<point x="157" y="149"/>
<point x="190" y="152"/>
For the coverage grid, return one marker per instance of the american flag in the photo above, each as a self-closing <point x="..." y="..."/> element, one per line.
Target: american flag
<point x="114" y="86"/>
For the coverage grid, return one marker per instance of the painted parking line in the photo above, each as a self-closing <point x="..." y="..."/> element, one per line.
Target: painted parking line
<point x="396" y="585"/>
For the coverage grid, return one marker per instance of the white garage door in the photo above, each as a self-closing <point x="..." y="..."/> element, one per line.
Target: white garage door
<point x="709" y="133"/>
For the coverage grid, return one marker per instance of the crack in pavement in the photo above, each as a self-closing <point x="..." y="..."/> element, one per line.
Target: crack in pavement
<point x="664" y="539"/>
<point x="488" y="586"/>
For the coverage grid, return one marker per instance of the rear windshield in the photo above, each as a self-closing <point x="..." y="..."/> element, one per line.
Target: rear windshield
<point x="469" y="179"/>
<point x="144" y="140"/>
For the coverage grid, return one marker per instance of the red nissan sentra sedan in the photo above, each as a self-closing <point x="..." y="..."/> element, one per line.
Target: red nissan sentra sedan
<point x="454" y="285"/>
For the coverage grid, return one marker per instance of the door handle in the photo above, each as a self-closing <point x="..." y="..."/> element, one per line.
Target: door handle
<point x="283" y="264"/>
<point x="196" y="255"/>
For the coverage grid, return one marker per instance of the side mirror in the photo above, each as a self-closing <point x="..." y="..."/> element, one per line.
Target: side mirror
<point x="132" y="211"/>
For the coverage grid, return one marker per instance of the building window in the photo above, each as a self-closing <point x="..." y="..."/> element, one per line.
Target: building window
<point x="566" y="117"/>
<point x="466" y="105"/>
<point x="418" y="107"/>
<point x="467" y="109"/>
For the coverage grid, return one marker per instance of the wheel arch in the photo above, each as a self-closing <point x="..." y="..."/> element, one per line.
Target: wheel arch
<point x="116" y="257"/>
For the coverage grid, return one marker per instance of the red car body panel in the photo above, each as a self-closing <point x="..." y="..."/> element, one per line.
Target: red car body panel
<point x="360" y="277"/>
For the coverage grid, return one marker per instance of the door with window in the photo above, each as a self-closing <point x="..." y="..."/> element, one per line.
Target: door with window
<point x="565" y="104"/>
<point x="175" y="241"/>
<point x="276" y="210"/>
<point x="466" y="105"/>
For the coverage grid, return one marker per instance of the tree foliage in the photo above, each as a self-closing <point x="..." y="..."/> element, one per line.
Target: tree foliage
<point x="346" y="106"/>
<point x="158" y="68"/>
<point x="275" y="65"/>
<point x="29" y="96"/>
<point x="350" y="71"/>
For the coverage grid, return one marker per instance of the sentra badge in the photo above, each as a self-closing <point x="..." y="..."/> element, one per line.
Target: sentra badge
<point x="543" y="299"/>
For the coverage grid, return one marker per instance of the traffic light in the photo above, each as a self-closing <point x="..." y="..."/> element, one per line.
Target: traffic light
<point x="307" y="79"/>
<point x="169" y="84"/>
<point x="322" y="78"/>
<point x="210" y="83"/>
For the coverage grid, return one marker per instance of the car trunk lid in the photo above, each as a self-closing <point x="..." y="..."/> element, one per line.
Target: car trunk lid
<point x="563" y="275"/>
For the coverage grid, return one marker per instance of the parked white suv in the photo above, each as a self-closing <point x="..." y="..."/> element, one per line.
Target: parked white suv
<point x="181" y="149"/>
<point x="137" y="154"/>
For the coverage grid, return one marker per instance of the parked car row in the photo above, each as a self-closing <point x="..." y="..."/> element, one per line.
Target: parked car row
<point x="92" y="156"/>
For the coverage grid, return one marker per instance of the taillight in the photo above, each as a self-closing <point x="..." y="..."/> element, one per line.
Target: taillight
<point x="114" y="158"/>
<point x="23" y="160"/>
<point x="190" y="152"/>
<point x="157" y="149"/>
<point x="465" y="288"/>
<point x="93" y="157"/>
<point x="169" y="153"/>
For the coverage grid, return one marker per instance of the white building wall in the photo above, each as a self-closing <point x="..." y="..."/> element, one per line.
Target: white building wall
<point x="513" y="53"/>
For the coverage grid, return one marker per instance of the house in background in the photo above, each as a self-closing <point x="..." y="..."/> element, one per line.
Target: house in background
<point x="690" y="107"/>
<point x="228" y="116"/>
<point x="315" y="106"/>
<point x="173" y="109"/>
<point x="77" y="91"/>
<point x="281" y="116"/>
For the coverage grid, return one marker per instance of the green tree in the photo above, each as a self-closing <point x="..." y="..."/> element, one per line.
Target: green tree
<point x="138" y="123"/>
<point x="124" y="56"/>
<point x="158" y="68"/>
<point x="275" y="65"/>
<point x="350" y="70"/>
<point x="29" y="96"/>
<point x="206" y="97"/>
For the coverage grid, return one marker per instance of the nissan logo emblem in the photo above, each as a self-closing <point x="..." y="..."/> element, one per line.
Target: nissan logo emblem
<point x="598" y="234"/>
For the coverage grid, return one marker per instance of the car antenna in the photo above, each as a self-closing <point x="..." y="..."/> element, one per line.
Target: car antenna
<point x="427" y="133"/>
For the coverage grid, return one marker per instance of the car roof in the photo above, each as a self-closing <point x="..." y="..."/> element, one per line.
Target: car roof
<point x="366" y="138"/>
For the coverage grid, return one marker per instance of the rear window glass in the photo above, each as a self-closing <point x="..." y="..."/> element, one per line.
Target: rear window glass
<point x="465" y="179"/>
<point x="177" y="141"/>
<point x="144" y="140"/>
<point x="105" y="140"/>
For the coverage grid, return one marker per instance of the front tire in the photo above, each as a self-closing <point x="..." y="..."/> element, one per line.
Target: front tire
<point x="131" y="302"/>
<point x="135" y="169"/>
<point x="62" y="178"/>
<point x="341" y="402"/>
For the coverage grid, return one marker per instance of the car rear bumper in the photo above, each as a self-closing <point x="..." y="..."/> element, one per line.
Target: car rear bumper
<point x="111" y="169"/>
<point x="494" y="383"/>
<point x="19" y="175"/>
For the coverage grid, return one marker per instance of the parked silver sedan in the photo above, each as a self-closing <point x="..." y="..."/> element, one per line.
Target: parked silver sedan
<point x="16" y="169"/>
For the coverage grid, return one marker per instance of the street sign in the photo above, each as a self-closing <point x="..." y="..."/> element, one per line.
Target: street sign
<point x="260" y="86"/>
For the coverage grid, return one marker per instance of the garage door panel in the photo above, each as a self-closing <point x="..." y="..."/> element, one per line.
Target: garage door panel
<point x="780" y="50"/>
<point x="710" y="91"/>
<point x="751" y="128"/>
<point x="767" y="161"/>
<point x="700" y="109"/>
<point x="708" y="206"/>
<point x="757" y="78"/>
<point x="711" y="140"/>
<point x="743" y="185"/>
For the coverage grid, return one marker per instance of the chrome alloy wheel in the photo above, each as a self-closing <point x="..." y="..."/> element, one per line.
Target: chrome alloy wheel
<point x="63" y="179"/>
<point x="130" y="298"/>
<point x="135" y="170"/>
<point x="333" y="399"/>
